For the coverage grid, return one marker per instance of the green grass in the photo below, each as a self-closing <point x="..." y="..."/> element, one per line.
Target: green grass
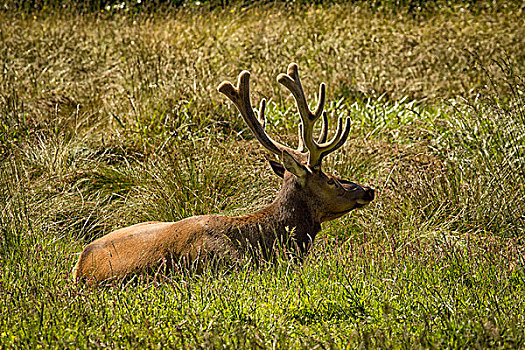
<point x="110" y="119"/>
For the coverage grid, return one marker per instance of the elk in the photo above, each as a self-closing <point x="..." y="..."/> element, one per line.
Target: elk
<point x="308" y="197"/>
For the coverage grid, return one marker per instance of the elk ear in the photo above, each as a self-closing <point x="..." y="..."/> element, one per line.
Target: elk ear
<point x="293" y="166"/>
<point x="277" y="168"/>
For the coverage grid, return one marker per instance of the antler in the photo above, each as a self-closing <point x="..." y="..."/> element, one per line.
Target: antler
<point x="317" y="150"/>
<point x="240" y="96"/>
<point x="309" y="151"/>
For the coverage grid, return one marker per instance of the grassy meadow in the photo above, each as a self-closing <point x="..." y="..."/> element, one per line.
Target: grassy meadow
<point x="111" y="117"/>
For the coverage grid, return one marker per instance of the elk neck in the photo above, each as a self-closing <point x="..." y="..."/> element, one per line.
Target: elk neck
<point x="290" y="214"/>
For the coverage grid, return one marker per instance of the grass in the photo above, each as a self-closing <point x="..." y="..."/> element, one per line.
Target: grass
<point x="109" y="119"/>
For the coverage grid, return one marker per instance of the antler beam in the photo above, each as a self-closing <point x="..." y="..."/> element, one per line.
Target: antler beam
<point x="317" y="150"/>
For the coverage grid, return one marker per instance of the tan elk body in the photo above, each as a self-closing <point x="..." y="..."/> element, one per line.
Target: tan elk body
<point x="307" y="198"/>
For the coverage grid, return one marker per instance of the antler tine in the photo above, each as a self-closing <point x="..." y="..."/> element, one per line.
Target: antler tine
<point x="320" y="105"/>
<point x="324" y="130"/>
<point x="301" y="146"/>
<point x="240" y="96"/>
<point x="262" y="117"/>
<point x="341" y="135"/>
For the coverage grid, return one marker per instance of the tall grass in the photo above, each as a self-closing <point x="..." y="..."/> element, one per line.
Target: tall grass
<point x="484" y="144"/>
<point x="110" y="119"/>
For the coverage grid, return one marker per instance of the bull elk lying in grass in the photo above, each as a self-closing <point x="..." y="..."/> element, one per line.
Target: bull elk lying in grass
<point x="307" y="198"/>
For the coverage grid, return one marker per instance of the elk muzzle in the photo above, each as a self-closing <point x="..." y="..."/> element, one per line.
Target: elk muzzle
<point x="362" y="194"/>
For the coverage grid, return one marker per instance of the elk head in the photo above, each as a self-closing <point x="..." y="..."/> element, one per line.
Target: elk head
<point x="329" y="197"/>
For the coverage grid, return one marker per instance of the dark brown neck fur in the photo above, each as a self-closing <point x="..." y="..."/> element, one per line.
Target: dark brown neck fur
<point x="288" y="219"/>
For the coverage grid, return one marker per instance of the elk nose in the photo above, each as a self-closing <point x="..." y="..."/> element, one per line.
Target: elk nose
<point x="370" y="193"/>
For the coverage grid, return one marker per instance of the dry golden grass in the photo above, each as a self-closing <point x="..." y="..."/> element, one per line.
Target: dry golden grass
<point x="103" y="67"/>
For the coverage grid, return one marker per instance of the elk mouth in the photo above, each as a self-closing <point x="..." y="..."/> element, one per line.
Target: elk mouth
<point x="360" y="204"/>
